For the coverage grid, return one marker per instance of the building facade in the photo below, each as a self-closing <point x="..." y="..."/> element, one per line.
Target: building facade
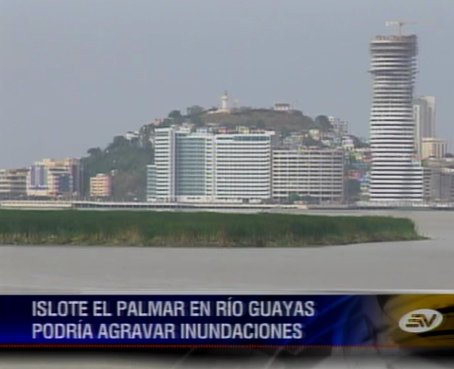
<point x="164" y="161"/>
<point x="207" y="166"/>
<point x="194" y="165"/>
<point x="242" y="166"/>
<point x="439" y="180"/>
<point x="54" y="178"/>
<point x="311" y="174"/>
<point x="396" y="174"/>
<point x="13" y="183"/>
<point x="433" y="148"/>
<point x="425" y="120"/>
<point x="151" y="182"/>
<point x="101" y="186"/>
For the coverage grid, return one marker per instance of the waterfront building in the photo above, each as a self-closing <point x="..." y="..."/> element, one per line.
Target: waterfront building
<point x="439" y="180"/>
<point x="396" y="174"/>
<point x="54" y="178"/>
<point x="183" y="168"/>
<point x="312" y="174"/>
<point x="101" y="186"/>
<point x="438" y="184"/>
<point x="243" y="166"/>
<point x="13" y="183"/>
<point x="164" y="161"/>
<point x="151" y="182"/>
<point x="206" y="166"/>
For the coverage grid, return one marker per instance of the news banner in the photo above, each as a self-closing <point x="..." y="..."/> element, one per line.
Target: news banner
<point x="412" y="321"/>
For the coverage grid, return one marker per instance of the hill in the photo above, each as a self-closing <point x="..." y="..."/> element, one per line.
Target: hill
<point x="126" y="159"/>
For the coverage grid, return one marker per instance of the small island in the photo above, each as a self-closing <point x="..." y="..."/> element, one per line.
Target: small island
<point x="196" y="229"/>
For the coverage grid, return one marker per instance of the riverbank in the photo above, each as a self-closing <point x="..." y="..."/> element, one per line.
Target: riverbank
<point x="196" y="229"/>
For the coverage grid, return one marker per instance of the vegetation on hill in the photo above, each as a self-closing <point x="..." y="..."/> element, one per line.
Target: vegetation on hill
<point x="193" y="229"/>
<point x="126" y="161"/>
<point x="291" y="121"/>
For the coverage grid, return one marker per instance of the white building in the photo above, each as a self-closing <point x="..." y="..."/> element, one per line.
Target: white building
<point x="314" y="174"/>
<point x="164" y="162"/>
<point x="206" y="166"/>
<point x="395" y="175"/>
<point x="242" y="166"/>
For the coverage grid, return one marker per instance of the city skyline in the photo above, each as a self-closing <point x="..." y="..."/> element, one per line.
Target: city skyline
<point x="72" y="79"/>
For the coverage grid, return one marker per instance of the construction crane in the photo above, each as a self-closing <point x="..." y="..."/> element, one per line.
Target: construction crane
<point x="399" y="24"/>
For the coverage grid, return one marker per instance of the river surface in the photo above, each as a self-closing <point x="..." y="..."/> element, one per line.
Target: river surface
<point x="391" y="266"/>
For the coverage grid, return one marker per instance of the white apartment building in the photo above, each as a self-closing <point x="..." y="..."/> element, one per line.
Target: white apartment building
<point x="242" y="166"/>
<point x="314" y="174"/>
<point x="206" y="166"/>
<point x="164" y="161"/>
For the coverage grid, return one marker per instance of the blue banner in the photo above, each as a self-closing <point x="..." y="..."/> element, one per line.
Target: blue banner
<point x="226" y="320"/>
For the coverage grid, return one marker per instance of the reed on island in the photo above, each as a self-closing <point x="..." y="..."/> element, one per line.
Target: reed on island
<point x="196" y="229"/>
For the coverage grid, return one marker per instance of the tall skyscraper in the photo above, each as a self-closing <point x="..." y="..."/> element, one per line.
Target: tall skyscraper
<point x="396" y="175"/>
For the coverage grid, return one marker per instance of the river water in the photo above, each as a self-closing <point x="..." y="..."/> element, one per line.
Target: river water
<point x="393" y="266"/>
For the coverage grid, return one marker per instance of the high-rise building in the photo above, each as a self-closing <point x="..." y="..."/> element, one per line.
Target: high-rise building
<point x="243" y="166"/>
<point x="396" y="174"/>
<point x="310" y="173"/>
<point x="425" y="120"/>
<point x="194" y="166"/>
<point x="183" y="167"/>
<point x="164" y="161"/>
<point x="207" y="166"/>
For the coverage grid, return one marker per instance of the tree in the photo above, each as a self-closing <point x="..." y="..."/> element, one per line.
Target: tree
<point x="195" y="110"/>
<point x="323" y="123"/>
<point x="176" y="117"/>
<point x="94" y="151"/>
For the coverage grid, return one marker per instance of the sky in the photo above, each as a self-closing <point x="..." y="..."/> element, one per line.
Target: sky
<point x="76" y="73"/>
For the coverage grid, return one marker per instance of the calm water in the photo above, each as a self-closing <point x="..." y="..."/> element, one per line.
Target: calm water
<point x="424" y="264"/>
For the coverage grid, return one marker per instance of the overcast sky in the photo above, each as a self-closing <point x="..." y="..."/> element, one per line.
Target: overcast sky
<point x="75" y="73"/>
